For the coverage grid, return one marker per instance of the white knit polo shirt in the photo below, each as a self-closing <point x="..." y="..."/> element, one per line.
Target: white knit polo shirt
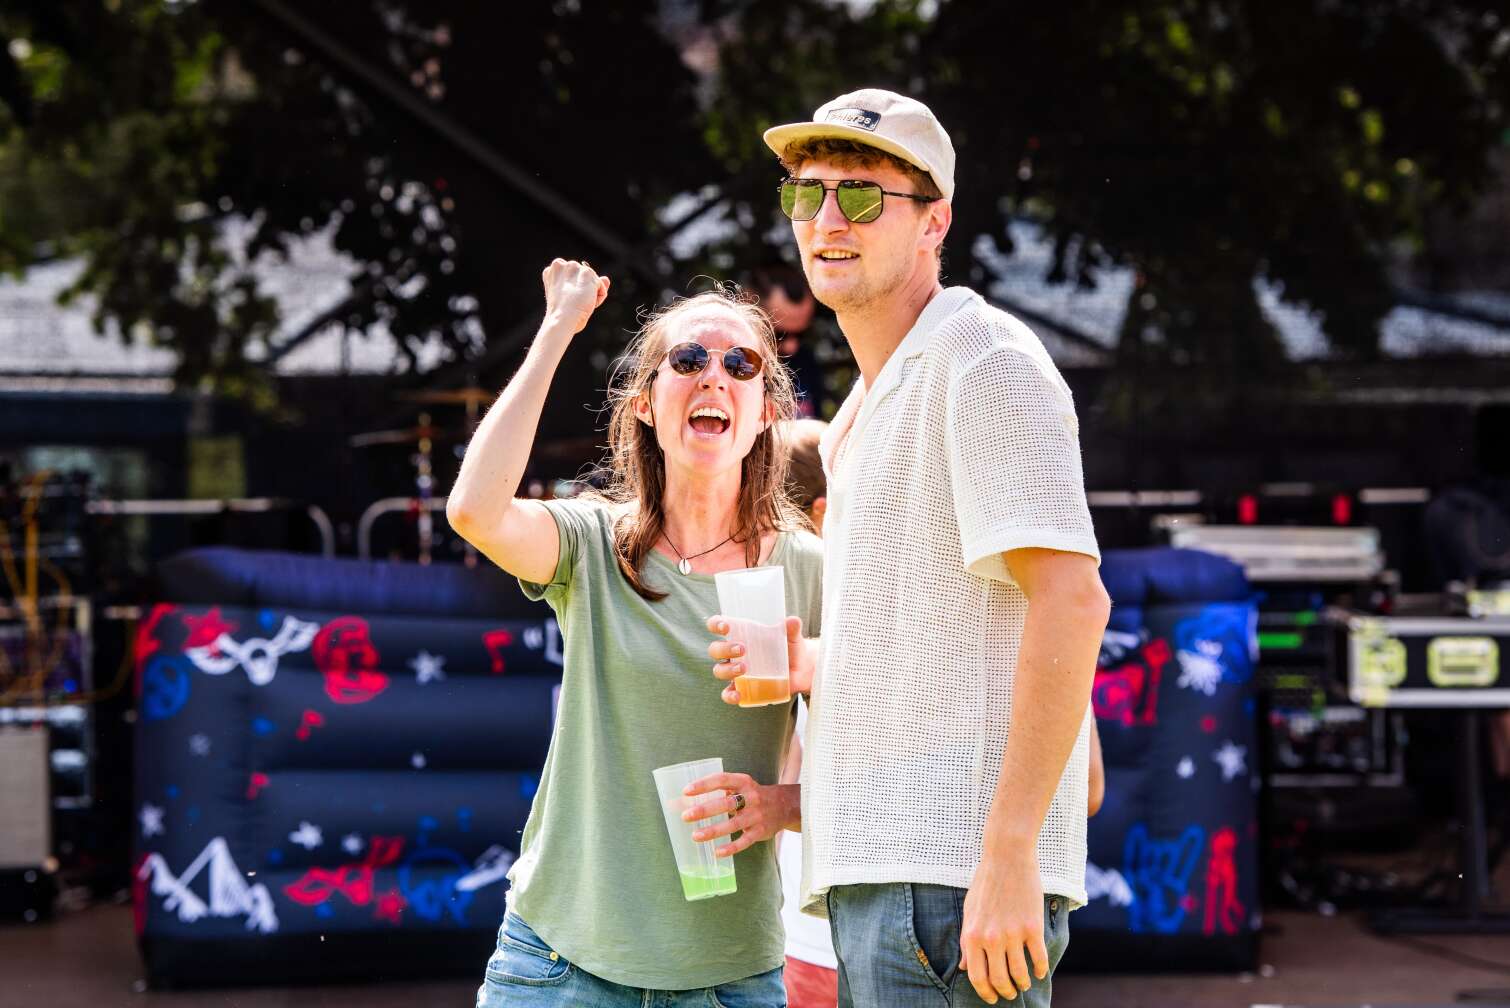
<point x="966" y="446"/>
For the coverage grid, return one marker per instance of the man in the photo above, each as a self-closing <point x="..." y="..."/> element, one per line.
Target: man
<point x="782" y="291"/>
<point x="944" y="778"/>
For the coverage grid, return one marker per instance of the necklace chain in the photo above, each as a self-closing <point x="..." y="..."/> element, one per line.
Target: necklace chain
<point x="684" y="563"/>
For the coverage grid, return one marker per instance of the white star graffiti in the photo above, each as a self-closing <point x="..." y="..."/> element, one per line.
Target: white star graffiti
<point x="308" y="836"/>
<point x="428" y="667"/>
<point x="1232" y="758"/>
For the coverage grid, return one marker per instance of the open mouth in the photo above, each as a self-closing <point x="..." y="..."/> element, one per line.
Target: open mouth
<point x="709" y="420"/>
<point x="836" y="255"/>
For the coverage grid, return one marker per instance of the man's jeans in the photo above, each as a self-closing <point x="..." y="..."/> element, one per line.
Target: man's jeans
<point x="898" y="947"/>
<point x="526" y="971"/>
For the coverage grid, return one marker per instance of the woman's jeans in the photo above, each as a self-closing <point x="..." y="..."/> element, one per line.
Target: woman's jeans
<point x="898" y="946"/>
<point x="525" y="972"/>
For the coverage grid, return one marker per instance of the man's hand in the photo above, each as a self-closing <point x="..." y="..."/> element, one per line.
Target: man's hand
<point x="758" y="812"/>
<point x="572" y="293"/>
<point x="1003" y="926"/>
<point x="799" y="651"/>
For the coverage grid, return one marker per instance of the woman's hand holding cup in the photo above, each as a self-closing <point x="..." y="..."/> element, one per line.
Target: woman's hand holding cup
<point x="727" y="656"/>
<point x="756" y="811"/>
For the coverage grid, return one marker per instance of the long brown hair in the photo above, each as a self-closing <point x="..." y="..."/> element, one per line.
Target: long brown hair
<point x="637" y="469"/>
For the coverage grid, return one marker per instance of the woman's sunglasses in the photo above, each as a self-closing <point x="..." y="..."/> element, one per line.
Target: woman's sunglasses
<point x="859" y="202"/>
<point x="741" y="363"/>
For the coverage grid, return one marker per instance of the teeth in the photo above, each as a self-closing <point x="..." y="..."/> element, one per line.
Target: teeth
<point x="838" y="255"/>
<point x="711" y="411"/>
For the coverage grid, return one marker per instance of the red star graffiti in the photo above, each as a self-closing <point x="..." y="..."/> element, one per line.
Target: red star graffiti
<point x="389" y="906"/>
<point x="204" y="630"/>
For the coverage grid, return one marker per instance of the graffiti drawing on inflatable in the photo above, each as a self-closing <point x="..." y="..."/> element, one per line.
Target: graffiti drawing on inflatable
<point x="229" y="893"/>
<point x="346" y="657"/>
<point x="1224" y="911"/>
<point x="1108" y="884"/>
<point x="1158" y="872"/>
<point x="1129" y="692"/>
<point x="1215" y="646"/>
<point x="353" y="880"/>
<point x="429" y="879"/>
<point x="491" y="866"/>
<point x="165" y="682"/>
<point x="256" y="656"/>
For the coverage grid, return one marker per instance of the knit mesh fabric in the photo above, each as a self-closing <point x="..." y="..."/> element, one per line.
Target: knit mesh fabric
<point x="966" y="446"/>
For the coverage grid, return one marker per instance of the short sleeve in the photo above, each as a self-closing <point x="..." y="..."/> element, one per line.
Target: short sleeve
<point x="1014" y="461"/>
<point x="577" y="521"/>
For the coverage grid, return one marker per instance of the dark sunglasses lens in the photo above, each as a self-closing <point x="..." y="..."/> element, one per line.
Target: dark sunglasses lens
<point x="742" y="364"/>
<point x="687" y="358"/>
<point x="800" y="199"/>
<point x="859" y="202"/>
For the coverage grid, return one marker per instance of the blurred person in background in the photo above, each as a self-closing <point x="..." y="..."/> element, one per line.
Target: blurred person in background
<point x="812" y="977"/>
<point x="784" y="294"/>
<point x="945" y="770"/>
<point x="697" y="485"/>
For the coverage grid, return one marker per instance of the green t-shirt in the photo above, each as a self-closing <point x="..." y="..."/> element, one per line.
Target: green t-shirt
<point x="596" y="877"/>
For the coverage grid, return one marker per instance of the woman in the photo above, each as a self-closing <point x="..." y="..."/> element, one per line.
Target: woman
<point x="596" y="914"/>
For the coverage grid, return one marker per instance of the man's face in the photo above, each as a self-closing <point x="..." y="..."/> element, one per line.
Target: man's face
<point x="850" y="266"/>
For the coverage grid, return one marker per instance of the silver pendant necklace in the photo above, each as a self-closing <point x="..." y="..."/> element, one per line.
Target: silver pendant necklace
<point x="684" y="563"/>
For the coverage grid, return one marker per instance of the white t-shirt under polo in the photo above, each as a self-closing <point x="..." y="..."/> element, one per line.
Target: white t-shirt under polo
<point x="966" y="446"/>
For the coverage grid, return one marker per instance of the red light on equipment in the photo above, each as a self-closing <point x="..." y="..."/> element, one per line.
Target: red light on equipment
<point x="1342" y="509"/>
<point x="1247" y="510"/>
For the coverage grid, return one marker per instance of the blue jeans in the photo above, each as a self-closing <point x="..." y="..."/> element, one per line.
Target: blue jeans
<point x="524" y="972"/>
<point x="898" y="946"/>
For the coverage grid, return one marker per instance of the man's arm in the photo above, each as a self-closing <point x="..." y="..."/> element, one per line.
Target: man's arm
<point x="1095" y="788"/>
<point x="1056" y="662"/>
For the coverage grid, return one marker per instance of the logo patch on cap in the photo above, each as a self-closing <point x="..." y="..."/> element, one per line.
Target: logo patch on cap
<point x="863" y="118"/>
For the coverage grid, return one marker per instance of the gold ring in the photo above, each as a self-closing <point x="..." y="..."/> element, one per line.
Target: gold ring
<point x="739" y="803"/>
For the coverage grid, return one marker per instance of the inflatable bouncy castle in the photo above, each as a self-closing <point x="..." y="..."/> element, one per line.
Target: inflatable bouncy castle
<point x="1172" y="872"/>
<point x="334" y="760"/>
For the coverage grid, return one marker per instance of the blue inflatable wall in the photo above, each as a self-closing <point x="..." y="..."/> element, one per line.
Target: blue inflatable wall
<point x="1174" y="853"/>
<point x="334" y="761"/>
<point x="335" y="758"/>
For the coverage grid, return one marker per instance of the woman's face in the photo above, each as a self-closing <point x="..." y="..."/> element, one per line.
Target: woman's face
<point x="706" y="422"/>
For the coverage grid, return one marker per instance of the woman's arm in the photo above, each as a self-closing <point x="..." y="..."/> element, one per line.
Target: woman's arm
<point x="520" y="535"/>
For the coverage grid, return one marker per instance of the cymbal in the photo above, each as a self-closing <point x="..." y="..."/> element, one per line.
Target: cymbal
<point x="457" y="397"/>
<point x="407" y="435"/>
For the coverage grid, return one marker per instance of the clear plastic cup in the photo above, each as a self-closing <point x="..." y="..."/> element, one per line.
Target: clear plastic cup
<point x="703" y="875"/>
<point x="753" y="602"/>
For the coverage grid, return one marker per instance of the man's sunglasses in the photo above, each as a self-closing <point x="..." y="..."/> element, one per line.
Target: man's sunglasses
<point x="741" y="363"/>
<point x="859" y="202"/>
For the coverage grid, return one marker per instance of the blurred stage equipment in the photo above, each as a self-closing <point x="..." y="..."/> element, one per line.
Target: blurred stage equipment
<point x="1331" y="768"/>
<point x="46" y="683"/>
<point x="1317" y="737"/>
<point x="1453" y="663"/>
<point x="333" y="763"/>
<point x="27" y="866"/>
<point x="1458" y="659"/>
<point x="473" y="398"/>
<point x="240" y="505"/>
<point x="424" y="502"/>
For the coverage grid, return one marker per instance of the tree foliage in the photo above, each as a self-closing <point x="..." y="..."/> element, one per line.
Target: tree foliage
<point x="1204" y="143"/>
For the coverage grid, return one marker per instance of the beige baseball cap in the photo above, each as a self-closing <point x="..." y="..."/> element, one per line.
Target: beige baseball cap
<point x="885" y="120"/>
